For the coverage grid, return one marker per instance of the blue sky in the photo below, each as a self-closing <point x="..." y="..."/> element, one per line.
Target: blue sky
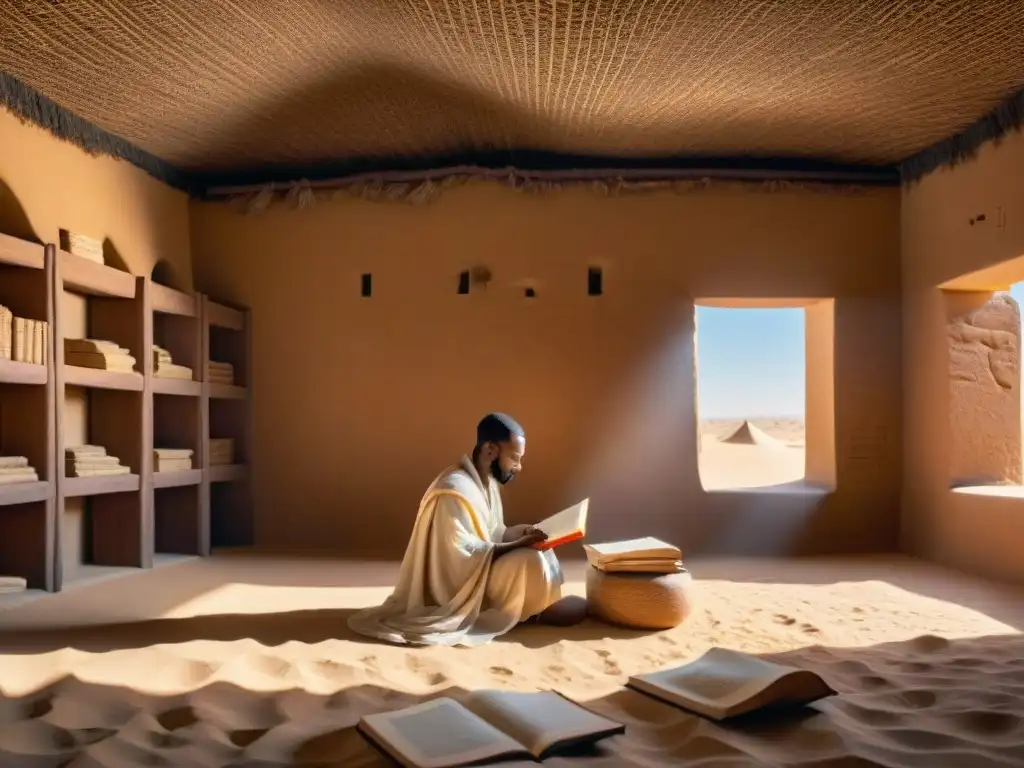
<point x="750" y="362"/>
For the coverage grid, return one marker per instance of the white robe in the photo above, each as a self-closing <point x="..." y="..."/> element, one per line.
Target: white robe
<point x="451" y="590"/>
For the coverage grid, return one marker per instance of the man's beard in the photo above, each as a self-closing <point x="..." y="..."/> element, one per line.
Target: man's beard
<point x="501" y="475"/>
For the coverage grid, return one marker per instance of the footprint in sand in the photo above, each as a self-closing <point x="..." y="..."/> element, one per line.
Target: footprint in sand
<point x="179" y="717"/>
<point x="244" y="738"/>
<point x="503" y="671"/>
<point x="809" y="629"/>
<point x="782" y="618"/>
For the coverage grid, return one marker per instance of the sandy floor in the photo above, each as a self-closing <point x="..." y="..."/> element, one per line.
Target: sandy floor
<point x="726" y="465"/>
<point x="246" y="661"/>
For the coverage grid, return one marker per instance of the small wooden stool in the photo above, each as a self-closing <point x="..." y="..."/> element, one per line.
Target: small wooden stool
<point x="640" y="600"/>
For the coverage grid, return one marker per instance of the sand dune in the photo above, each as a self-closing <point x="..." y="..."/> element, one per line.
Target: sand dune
<point x="252" y="666"/>
<point x="755" y="453"/>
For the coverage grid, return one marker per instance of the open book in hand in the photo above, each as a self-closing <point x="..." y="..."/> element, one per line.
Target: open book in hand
<point x="723" y="684"/>
<point x="489" y="725"/>
<point x="568" y="525"/>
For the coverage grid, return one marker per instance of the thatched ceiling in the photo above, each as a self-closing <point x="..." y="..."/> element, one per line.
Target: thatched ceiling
<point x="214" y="85"/>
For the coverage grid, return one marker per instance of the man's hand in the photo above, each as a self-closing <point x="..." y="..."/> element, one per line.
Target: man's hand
<point x="532" y="535"/>
<point x="528" y="536"/>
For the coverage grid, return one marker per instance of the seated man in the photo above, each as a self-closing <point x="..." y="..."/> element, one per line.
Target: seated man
<point x="465" y="577"/>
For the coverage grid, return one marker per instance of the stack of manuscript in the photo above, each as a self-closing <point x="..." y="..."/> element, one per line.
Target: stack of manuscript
<point x="164" y="366"/>
<point x="96" y="353"/>
<point x="220" y="373"/>
<point x="172" y="459"/>
<point x="6" y="333"/>
<point x="15" y="469"/>
<point x="91" y="461"/>
<point x="11" y="584"/>
<point x="647" y="555"/>
<point x="80" y="245"/>
<point x="222" y="451"/>
<point x="23" y="340"/>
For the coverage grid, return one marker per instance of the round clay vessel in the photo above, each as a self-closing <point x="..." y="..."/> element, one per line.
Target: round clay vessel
<point x="640" y="600"/>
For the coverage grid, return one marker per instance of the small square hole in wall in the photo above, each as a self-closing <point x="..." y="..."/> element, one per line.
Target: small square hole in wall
<point x="595" y="281"/>
<point x="366" y="285"/>
<point x="530" y="293"/>
<point x="464" y="282"/>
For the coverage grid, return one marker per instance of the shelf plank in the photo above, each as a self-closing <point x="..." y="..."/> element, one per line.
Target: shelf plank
<point x="172" y="302"/>
<point x="184" y="387"/>
<point x="21" y="253"/>
<point x="228" y="392"/>
<point x="178" y="478"/>
<point x="100" y="379"/>
<point x="226" y="473"/>
<point x="224" y="317"/>
<point x="93" y="486"/>
<point x="12" y="372"/>
<point x="84" y="276"/>
<point x="24" y="493"/>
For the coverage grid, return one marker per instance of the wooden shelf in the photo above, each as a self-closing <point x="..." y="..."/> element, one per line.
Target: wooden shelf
<point x="94" y="486"/>
<point x="21" y="253"/>
<point x="226" y="473"/>
<point x="222" y="316"/>
<point x="25" y="493"/>
<point x="180" y="387"/>
<point x="177" y="479"/>
<point x="28" y="537"/>
<point x="81" y="275"/>
<point x="12" y="372"/>
<point x="227" y="412"/>
<point x="228" y="392"/>
<point x="109" y="512"/>
<point x="171" y="302"/>
<point x="75" y="376"/>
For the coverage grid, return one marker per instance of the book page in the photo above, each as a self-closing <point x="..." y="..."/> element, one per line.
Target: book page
<point x="438" y="734"/>
<point x="540" y="720"/>
<point x="645" y="548"/>
<point x="568" y="522"/>
<point x="719" y="679"/>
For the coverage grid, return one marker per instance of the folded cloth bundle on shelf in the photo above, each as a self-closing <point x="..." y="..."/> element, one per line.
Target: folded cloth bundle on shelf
<point x="100" y="354"/>
<point x="165" y="367"/>
<point x="222" y="451"/>
<point x="172" y="459"/>
<point x="220" y="373"/>
<point x="80" y="245"/>
<point x="91" y="461"/>
<point x="16" y="469"/>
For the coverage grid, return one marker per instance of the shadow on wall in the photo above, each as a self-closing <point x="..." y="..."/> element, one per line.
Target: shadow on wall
<point x="431" y="108"/>
<point x="13" y="219"/>
<point x="112" y="257"/>
<point x="164" y="273"/>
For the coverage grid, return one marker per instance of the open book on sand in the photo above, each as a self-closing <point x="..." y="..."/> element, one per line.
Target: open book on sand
<point x="568" y="525"/>
<point x="646" y="555"/>
<point x="443" y="733"/>
<point x="723" y="683"/>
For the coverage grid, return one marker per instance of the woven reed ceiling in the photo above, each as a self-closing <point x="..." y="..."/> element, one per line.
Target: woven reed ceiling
<point x="229" y="84"/>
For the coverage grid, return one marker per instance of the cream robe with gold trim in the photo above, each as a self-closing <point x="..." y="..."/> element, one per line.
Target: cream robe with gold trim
<point x="451" y="590"/>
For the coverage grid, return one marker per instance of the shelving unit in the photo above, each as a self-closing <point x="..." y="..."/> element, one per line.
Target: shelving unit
<point x="27" y="413"/>
<point x="179" y="499"/>
<point x="226" y="338"/>
<point x="117" y="522"/>
<point x="131" y="520"/>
